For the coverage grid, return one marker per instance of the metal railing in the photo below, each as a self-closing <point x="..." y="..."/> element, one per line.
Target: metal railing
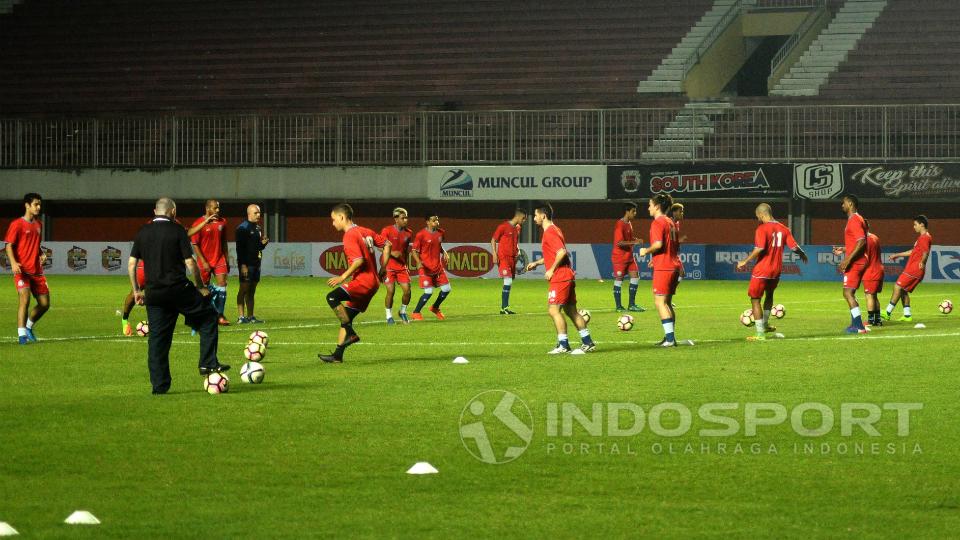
<point x="732" y="13"/>
<point x="794" y="39"/>
<point x="880" y="132"/>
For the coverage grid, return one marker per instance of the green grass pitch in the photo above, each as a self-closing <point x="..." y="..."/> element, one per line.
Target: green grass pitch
<point x="322" y="450"/>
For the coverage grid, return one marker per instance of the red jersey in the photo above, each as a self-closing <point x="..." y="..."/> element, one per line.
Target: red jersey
<point x="921" y="246"/>
<point x="399" y="241"/>
<point x="622" y="232"/>
<point x="210" y="239"/>
<point x="507" y="237"/>
<point x="25" y="237"/>
<point x="428" y="245"/>
<point x="662" y="230"/>
<point x="358" y="243"/>
<point x="855" y="231"/>
<point x="551" y="243"/>
<point x="874" y="259"/>
<point x="771" y="237"/>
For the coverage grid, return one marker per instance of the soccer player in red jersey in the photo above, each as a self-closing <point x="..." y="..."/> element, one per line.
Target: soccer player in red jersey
<point x="210" y="247"/>
<point x="429" y="256"/>
<point x="505" y="246"/>
<point x="130" y="300"/>
<point x="622" y="258"/>
<point x="399" y="236"/>
<point x="563" y="286"/>
<point x="854" y="264"/>
<point x="913" y="274"/>
<point x="351" y="298"/>
<point x="873" y="279"/>
<point x="768" y="244"/>
<point x="26" y="262"/>
<point x="666" y="264"/>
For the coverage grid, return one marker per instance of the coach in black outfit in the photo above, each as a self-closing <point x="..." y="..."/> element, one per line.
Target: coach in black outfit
<point x="165" y="250"/>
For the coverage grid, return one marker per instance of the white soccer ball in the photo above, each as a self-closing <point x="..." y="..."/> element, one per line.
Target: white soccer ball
<point x="259" y="337"/>
<point x="254" y="352"/>
<point x="746" y="318"/>
<point x="143" y="328"/>
<point x="216" y="383"/>
<point x="778" y="311"/>
<point x="585" y="314"/>
<point x="945" y="307"/>
<point x="252" y="372"/>
<point x="625" y="322"/>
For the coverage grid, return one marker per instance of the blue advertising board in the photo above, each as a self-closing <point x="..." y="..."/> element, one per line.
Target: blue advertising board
<point x="822" y="264"/>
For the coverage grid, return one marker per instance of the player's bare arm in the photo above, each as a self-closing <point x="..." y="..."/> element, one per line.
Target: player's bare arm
<point x="416" y="259"/>
<point x="561" y="255"/>
<point x="14" y="265"/>
<point x="857" y="250"/>
<point x="385" y="255"/>
<point x="493" y="249"/>
<point x="901" y="255"/>
<point x="200" y="258"/>
<point x="654" y="248"/>
<point x="534" y="264"/>
<point x="753" y="255"/>
<point x="199" y="226"/>
<point x="193" y="270"/>
<point x="337" y="280"/>
<point x="132" y="272"/>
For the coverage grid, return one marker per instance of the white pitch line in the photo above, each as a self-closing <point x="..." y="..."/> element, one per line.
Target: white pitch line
<point x="536" y="343"/>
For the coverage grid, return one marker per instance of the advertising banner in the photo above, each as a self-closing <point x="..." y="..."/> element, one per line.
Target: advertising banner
<point x="591" y="261"/>
<point x="822" y="264"/>
<point x="943" y="266"/>
<point x="700" y="181"/>
<point x="521" y="182"/>
<point x="907" y="180"/>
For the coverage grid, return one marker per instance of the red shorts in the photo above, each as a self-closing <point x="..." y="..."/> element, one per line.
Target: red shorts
<point x="507" y="267"/>
<point x="853" y="276"/>
<point x="562" y="293"/>
<point x="908" y="282"/>
<point x="219" y="268"/>
<point x="621" y="269"/>
<point x="141" y="276"/>
<point x="36" y="284"/>
<point x="428" y="281"/>
<point x="873" y="286"/>
<point x="758" y="286"/>
<point x="665" y="282"/>
<point x="397" y="276"/>
<point x="361" y="291"/>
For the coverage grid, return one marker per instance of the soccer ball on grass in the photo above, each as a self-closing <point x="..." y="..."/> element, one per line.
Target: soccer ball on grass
<point x="259" y="337"/>
<point x="778" y="311"/>
<point x="143" y="328"/>
<point x="252" y="372"/>
<point x="945" y="307"/>
<point x="746" y="318"/>
<point x="254" y="352"/>
<point x="216" y="383"/>
<point x="625" y="322"/>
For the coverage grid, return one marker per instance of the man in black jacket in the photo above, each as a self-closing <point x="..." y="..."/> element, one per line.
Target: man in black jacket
<point x="250" y="243"/>
<point x="164" y="247"/>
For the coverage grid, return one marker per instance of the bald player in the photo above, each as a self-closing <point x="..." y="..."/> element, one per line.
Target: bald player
<point x="250" y="243"/>
<point x="768" y="244"/>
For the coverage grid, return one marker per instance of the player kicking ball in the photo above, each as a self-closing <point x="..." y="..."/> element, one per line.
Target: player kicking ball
<point x="913" y="274"/>
<point x="562" y="296"/>
<point x="768" y="244"/>
<point x="351" y="298"/>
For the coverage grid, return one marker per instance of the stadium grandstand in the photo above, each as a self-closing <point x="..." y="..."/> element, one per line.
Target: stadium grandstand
<point x="167" y="86"/>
